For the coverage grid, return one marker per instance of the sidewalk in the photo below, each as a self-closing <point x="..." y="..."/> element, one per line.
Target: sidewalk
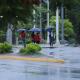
<point x="46" y="49"/>
<point x="36" y="58"/>
<point x="61" y="52"/>
<point x="16" y="48"/>
<point x="48" y="46"/>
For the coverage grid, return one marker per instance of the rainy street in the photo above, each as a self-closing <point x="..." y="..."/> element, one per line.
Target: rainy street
<point x="28" y="70"/>
<point x="21" y="70"/>
<point x="39" y="39"/>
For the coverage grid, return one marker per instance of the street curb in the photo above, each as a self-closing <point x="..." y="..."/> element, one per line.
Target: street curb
<point x="31" y="59"/>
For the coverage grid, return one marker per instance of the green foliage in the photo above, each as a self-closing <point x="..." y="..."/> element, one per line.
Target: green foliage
<point x="5" y="48"/>
<point x="68" y="27"/>
<point x="72" y="12"/>
<point x="31" y="49"/>
<point x="53" y="21"/>
<point x="67" y="3"/>
<point x="16" y="10"/>
<point x="21" y="24"/>
<point x="2" y="36"/>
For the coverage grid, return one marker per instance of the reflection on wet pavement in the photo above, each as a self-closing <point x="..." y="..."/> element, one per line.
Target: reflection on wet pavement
<point x="26" y="70"/>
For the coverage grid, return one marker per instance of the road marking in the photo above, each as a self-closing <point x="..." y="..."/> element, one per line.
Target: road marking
<point x="31" y="59"/>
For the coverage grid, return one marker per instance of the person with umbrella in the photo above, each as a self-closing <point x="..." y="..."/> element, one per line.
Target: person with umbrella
<point x="33" y="37"/>
<point x="22" y="36"/>
<point x="51" y="38"/>
<point x="37" y="38"/>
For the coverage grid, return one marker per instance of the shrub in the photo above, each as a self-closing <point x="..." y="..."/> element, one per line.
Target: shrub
<point x="5" y="47"/>
<point x="30" y="49"/>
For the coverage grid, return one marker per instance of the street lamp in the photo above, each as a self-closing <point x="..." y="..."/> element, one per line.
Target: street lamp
<point x="1" y="16"/>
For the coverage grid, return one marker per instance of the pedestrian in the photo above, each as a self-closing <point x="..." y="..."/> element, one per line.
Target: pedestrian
<point x="33" y="37"/>
<point x="37" y="38"/>
<point x="51" y="37"/>
<point x="23" y="37"/>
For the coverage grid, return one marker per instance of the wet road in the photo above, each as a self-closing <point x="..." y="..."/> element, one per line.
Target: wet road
<point x="27" y="70"/>
<point x="22" y="70"/>
<point x="71" y="67"/>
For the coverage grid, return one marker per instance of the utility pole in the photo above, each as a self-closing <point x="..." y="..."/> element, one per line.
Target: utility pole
<point x="40" y="17"/>
<point x="57" y="28"/>
<point x="47" y="20"/>
<point x="34" y="21"/>
<point x="62" y="27"/>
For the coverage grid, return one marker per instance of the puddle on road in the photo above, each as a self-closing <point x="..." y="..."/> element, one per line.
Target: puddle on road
<point x="26" y="70"/>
